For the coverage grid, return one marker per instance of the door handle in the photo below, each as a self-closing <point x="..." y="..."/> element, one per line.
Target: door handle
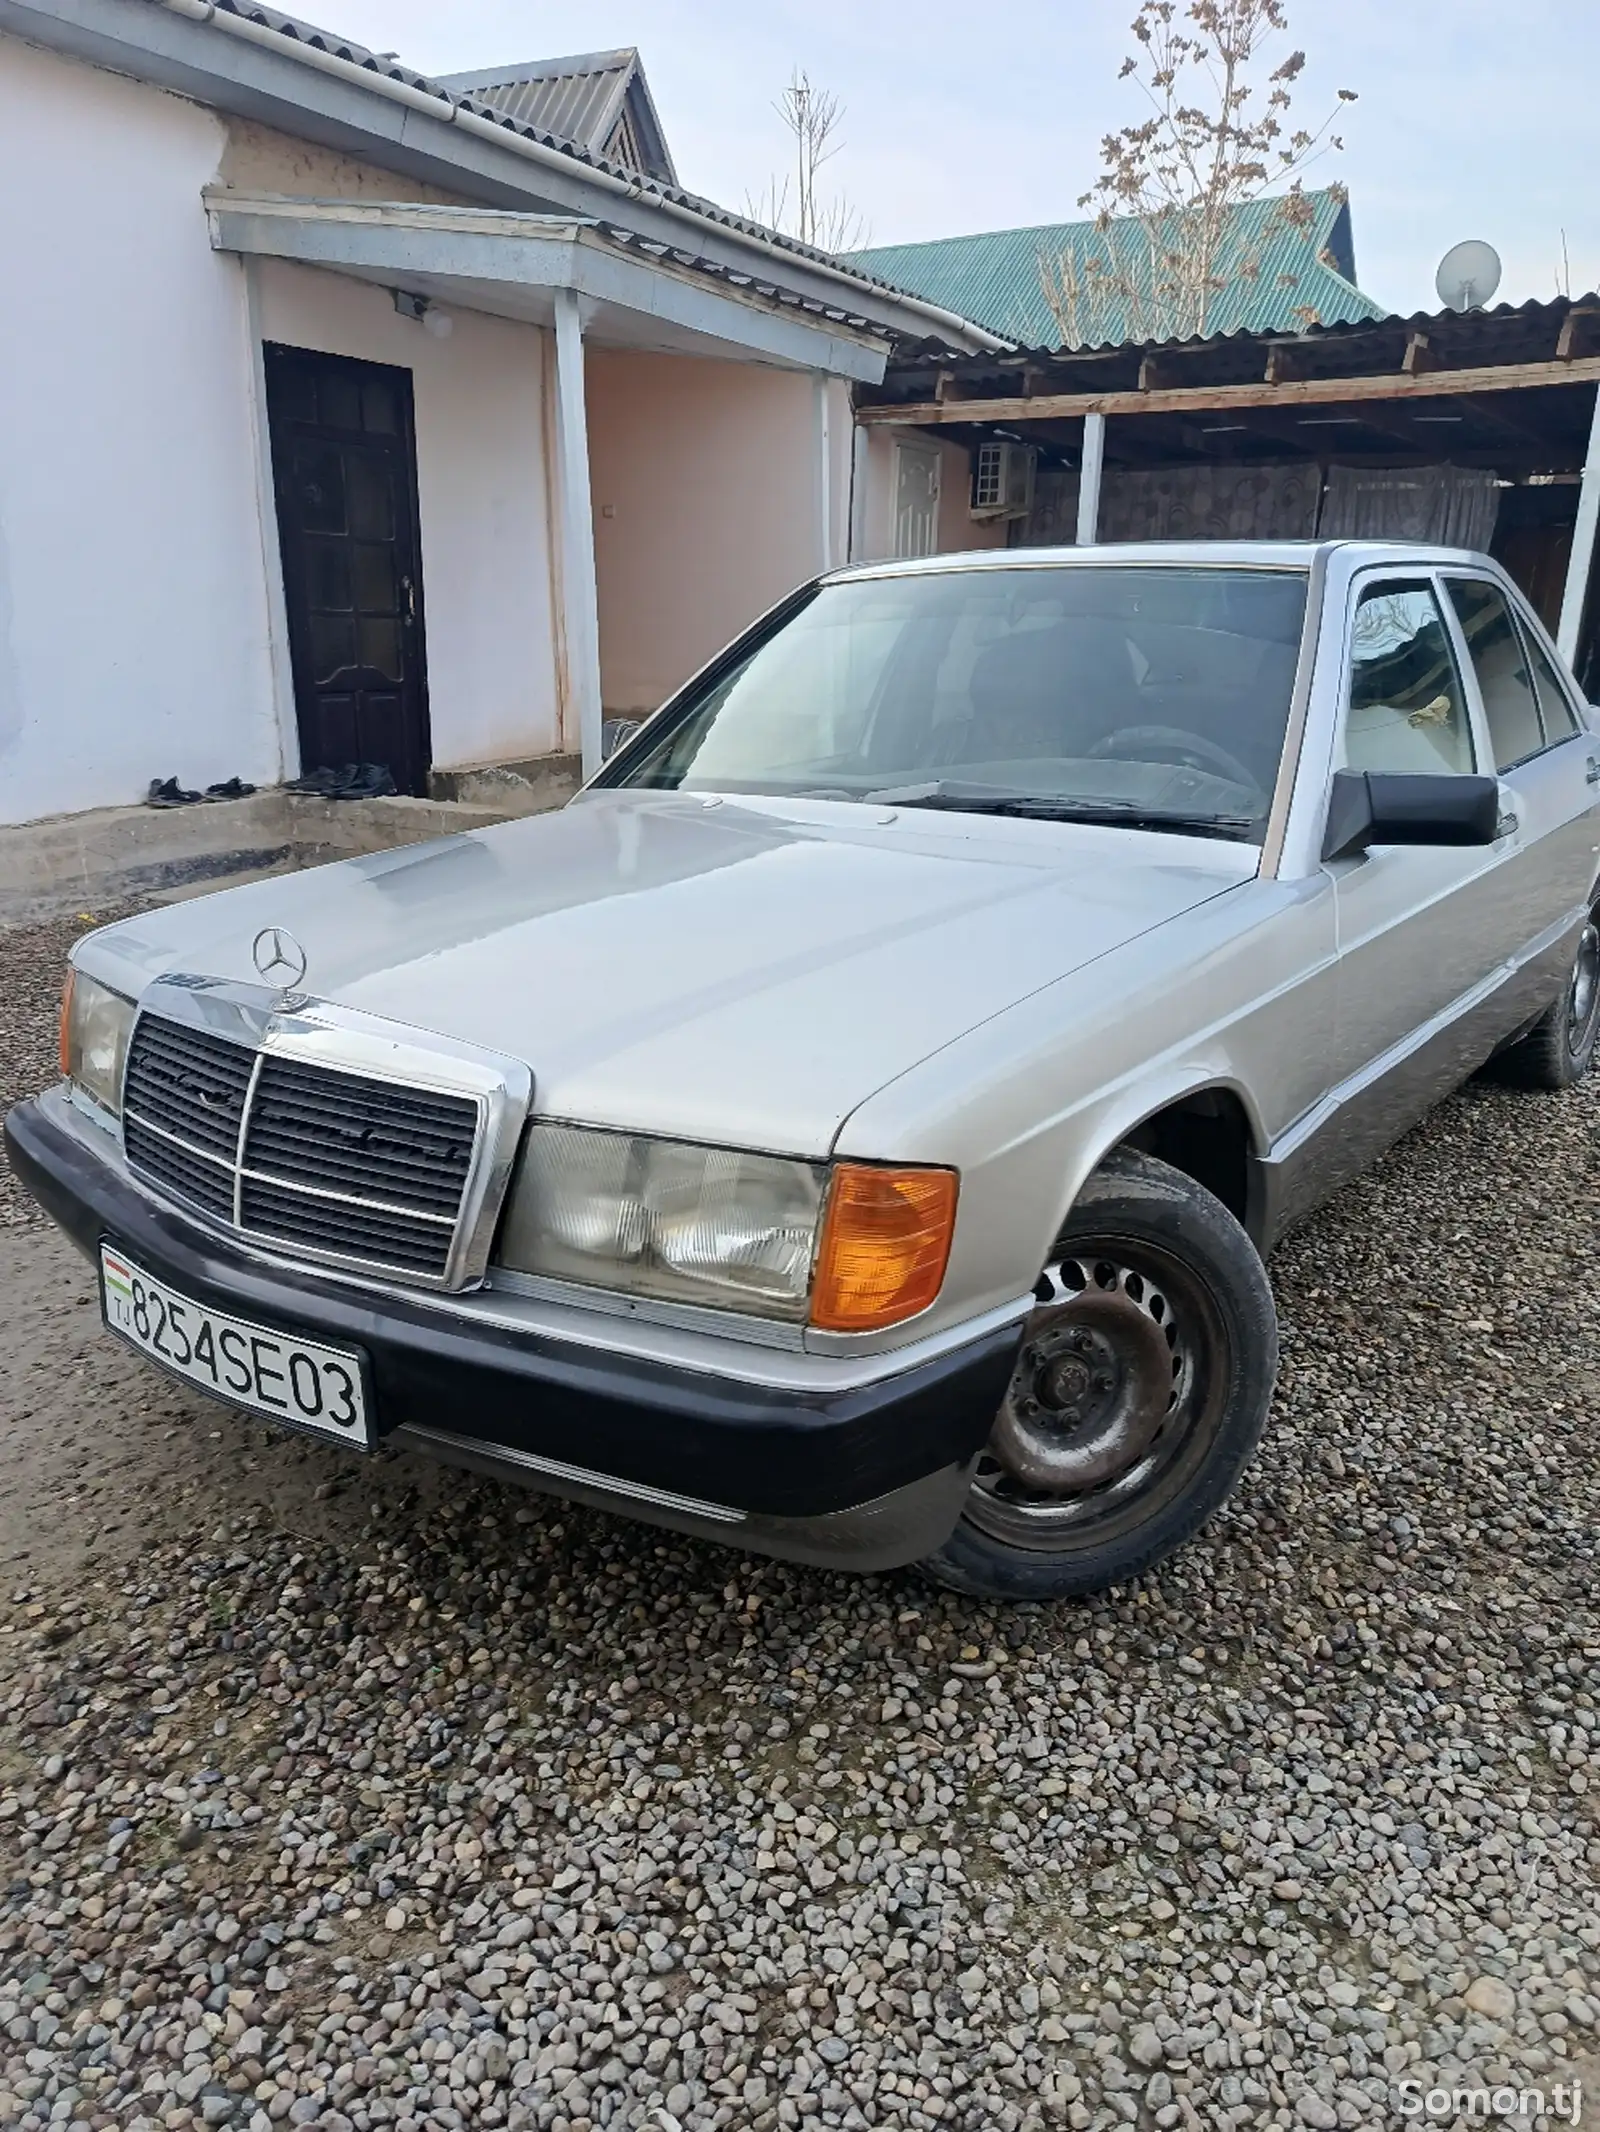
<point x="408" y="599"/>
<point x="1592" y="774"/>
<point x="1506" y="826"/>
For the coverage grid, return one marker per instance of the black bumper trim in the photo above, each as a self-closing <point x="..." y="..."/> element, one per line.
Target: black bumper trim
<point x="767" y="1449"/>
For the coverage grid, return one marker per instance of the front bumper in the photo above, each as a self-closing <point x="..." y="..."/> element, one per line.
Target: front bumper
<point x="868" y="1476"/>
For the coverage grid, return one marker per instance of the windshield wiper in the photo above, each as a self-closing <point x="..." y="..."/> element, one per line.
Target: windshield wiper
<point x="956" y="798"/>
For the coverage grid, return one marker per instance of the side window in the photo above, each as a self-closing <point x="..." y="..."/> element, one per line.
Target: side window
<point x="1407" y="708"/>
<point x="1560" y="719"/>
<point x="1509" y="702"/>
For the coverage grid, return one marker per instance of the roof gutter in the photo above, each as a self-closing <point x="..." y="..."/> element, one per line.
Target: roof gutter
<point x="449" y="113"/>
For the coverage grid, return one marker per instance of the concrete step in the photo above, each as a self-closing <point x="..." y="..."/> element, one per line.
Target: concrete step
<point x="186" y="890"/>
<point x="112" y="855"/>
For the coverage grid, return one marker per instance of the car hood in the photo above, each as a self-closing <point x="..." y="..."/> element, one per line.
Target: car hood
<point x="746" y="972"/>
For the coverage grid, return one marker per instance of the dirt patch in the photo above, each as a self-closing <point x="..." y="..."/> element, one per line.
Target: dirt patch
<point x="105" y="1455"/>
<point x="33" y="964"/>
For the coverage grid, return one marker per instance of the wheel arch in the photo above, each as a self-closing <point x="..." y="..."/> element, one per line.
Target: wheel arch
<point x="1207" y="1128"/>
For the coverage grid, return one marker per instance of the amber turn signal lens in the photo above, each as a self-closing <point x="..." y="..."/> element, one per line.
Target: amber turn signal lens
<point x="66" y="1024"/>
<point x="885" y="1241"/>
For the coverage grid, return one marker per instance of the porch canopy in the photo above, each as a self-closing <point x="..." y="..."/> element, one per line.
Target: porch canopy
<point x="587" y="280"/>
<point x="1476" y="428"/>
<point x="631" y="292"/>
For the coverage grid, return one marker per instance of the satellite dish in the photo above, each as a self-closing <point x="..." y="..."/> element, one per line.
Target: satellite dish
<point x="1468" y="275"/>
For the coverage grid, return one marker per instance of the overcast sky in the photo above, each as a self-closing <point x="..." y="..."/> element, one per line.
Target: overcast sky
<point x="1476" y="118"/>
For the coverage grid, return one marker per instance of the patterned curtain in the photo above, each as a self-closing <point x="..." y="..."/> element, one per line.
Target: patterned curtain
<point x="1455" y="506"/>
<point x="1213" y="502"/>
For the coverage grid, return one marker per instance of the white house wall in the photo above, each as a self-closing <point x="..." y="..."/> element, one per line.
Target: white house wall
<point x="483" y="499"/>
<point x="135" y="626"/>
<point x="133" y="618"/>
<point x="957" y="528"/>
<point x="703" y="476"/>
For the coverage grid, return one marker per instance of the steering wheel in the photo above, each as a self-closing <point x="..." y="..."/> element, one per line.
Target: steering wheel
<point x="1171" y="743"/>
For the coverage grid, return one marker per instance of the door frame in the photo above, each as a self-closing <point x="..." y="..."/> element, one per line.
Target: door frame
<point x="401" y="376"/>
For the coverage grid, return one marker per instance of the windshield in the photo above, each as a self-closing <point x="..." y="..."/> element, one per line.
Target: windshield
<point x="1156" y="695"/>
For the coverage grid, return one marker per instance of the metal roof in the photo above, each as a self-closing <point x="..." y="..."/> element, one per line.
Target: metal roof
<point x="1510" y="388"/>
<point x="1501" y="333"/>
<point x="294" y="31"/>
<point x="1279" y="269"/>
<point x="584" y="99"/>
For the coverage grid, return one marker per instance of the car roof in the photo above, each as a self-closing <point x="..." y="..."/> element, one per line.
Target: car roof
<point x="1205" y="554"/>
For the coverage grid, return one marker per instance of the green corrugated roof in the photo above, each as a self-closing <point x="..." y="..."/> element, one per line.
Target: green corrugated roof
<point x="1278" y="271"/>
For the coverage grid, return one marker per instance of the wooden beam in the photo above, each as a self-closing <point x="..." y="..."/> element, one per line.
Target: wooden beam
<point x="1156" y="373"/>
<point x="1284" y="363"/>
<point x="1527" y="436"/>
<point x="1421" y="355"/>
<point x="1378" y="422"/>
<point x="1579" y="329"/>
<point x="1210" y="399"/>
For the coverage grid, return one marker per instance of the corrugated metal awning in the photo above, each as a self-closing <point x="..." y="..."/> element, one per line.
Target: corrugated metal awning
<point x="510" y="265"/>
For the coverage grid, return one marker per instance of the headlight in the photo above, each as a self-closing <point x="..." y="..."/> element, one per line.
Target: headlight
<point x="94" y="1039"/>
<point x="857" y="1247"/>
<point x="659" y="1218"/>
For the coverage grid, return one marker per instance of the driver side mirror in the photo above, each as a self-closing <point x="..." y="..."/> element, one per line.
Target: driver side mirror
<point x="1402" y="807"/>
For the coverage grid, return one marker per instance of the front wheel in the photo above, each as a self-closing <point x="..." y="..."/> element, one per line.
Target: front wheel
<point x="1560" y="1047"/>
<point x="1140" y="1392"/>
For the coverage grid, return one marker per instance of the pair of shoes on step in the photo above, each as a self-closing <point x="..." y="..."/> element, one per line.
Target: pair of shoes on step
<point x="167" y="792"/>
<point x="352" y="780"/>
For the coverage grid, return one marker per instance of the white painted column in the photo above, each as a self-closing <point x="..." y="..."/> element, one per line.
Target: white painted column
<point x="1580" y="564"/>
<point x="822" y="457"/>
<point x="1094" y="454"/>
<point x="860" y="469"/>
<point x="289" y="763"/>
<point x="579" y="597"/>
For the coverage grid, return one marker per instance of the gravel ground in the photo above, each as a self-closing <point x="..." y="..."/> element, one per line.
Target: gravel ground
<point x="356" y="1794"/>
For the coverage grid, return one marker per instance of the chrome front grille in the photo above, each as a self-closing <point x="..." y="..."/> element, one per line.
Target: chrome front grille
<point x="323" y="1162"/>
<point x="186" y="1083"/>
<point x="372" y="1139"/>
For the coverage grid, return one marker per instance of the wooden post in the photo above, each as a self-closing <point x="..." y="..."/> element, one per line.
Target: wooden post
<point x="579" y="596"/>
<point x="1580" y="564"/>
<point x="1094" y="453"/>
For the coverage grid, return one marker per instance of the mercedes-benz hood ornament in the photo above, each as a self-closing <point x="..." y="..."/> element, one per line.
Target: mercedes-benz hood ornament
<point x="279" y="958"/>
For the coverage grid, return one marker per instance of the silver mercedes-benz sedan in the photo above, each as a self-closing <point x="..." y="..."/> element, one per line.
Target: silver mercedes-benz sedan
<point x="853" y="1127"/>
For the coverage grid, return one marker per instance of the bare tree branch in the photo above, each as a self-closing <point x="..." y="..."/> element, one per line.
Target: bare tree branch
<point x="1216" y="136"/>
<point x="813" y="116"/>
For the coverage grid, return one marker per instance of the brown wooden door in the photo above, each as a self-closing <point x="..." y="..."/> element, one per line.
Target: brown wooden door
<point x="344" y="468"/>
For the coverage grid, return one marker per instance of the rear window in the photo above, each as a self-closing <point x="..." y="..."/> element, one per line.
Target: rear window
<point x="1505" y="681"/>
<point x="1555" y="706"/>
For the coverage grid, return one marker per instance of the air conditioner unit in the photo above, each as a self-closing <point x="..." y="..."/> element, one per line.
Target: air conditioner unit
<point x="1002" y="479"/>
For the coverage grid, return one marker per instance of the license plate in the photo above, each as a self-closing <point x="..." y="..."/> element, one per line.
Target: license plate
<point x="268" y="1372"/>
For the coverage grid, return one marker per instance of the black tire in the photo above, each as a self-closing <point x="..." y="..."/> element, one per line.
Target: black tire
<point x="1559" y="1049"/>
<point x="1088" y="1480"/>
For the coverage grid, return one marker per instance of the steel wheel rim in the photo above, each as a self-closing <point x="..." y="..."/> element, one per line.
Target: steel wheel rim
<point x="1116" y="1396"/>
<point x="1583" y="992"/>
